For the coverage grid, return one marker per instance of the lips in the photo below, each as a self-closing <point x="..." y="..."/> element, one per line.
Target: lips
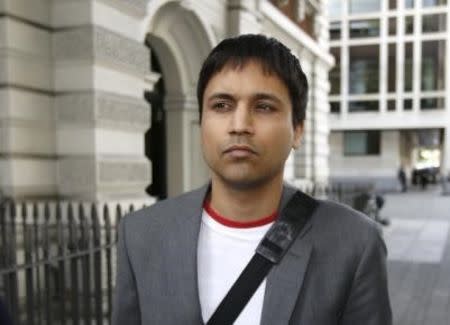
<point x="239" y="151"/>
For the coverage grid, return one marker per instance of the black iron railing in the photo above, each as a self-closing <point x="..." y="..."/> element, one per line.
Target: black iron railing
<point x="57" y="261"/>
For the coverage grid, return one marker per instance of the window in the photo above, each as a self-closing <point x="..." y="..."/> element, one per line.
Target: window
<point x="364" y="69"/>
<point x="335" y="107"/>
<point x="433" y="65"/>
<point x="434" y="23"/>
<point x="409" y="25"/>
<point x="391" y="70"/>
<point x="391" y="104"/>
<point x="361" y="143"/>
<point x="432" y="103"/>
<point x="363" y="106"/>
<point x="407" y="104"/>
<point x="335" y="30"/>
<point x="361" y="6"/>
<point x="431" y="3"/>
<point x="334" y="8"/>
<point x="408" y="77"/>
<point x="392" y="28"/>
<point x="364" y="28"/>
<point x="409" y="4"/>
<point x="335" y="72"/>
<point x="392" y="4"/>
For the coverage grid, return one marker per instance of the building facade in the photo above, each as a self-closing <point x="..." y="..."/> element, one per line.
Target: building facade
<point x="97" y="97"/>
<point x="390" y="92"/>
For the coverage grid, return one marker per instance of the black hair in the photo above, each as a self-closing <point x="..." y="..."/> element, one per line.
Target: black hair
<point x="274" y="57"/>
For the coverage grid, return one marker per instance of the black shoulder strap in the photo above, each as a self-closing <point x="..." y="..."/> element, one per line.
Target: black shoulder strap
<point x="270" y="251"/>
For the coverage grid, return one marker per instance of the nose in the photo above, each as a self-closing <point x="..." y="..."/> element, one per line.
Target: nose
<point x="241" y="120"/>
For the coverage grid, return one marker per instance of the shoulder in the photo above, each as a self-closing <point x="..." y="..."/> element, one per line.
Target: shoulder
<point x="166" y="211"/>
<point x="340" y="223"/>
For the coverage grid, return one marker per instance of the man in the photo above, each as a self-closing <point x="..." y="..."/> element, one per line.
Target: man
<point x="178" y="258"/>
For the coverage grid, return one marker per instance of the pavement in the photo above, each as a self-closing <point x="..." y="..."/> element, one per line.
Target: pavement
<point x="418" y="256"/>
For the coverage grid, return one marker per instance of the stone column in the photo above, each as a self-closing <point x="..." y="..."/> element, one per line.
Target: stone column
<point x="445" y="163"/>
<point x="100" y="74"/>
<point x="27" y="143"/>
<point x="243" y="17"/>
<point x="184" y="156"/>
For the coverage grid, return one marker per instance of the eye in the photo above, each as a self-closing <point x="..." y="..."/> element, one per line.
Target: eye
<point x="221" y="106"/>
<point x="265" y="107"/>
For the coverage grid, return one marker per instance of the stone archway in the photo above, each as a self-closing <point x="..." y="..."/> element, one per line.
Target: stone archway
<point x="181" y="42"/>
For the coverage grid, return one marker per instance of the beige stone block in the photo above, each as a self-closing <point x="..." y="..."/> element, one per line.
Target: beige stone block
<point x="36" y="10"/>
<point x="32" y="172"/>
<point x="71" y="140"/>
<point x="27" y="72"/>
<point x="119" y="143"/>
<point x="27" y="39"/>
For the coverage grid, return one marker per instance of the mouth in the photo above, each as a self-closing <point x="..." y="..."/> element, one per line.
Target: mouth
<point x="239" y="151"/>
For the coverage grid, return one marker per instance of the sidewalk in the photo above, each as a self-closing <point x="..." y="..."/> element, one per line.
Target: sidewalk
<point x="419" y="256"/>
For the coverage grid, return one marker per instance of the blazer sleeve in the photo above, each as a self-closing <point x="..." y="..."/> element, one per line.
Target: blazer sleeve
<point x="368" y="302"/>
<point x="126" y="301"/>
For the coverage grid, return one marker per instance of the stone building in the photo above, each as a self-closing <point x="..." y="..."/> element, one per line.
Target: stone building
<point x="97" y="97"/>
<point x="390" y="89"/>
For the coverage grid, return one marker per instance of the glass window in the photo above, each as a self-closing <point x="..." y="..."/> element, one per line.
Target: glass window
<point x="364" y="69"/>
<point x="360" y="143"/>
<point x="335" y="30"/>
<point x="360" y="6"/>
<point x="432" y="103"/>
<point x="409" y="4"/>
<point x="392" y="4"/>
<point x="335" y="107"/>
<point x="364" y="28"/>
<point x="363" y="106"/>
<point x="408" y="77"/>
<point x="433" y="65"/>
<point x="334" y="8"/>
<point x="392" y="28"/>
<point x="409" y="25"/>
<point x="391" y="105"/>
<point x="391" y="70"/>
<point x="407" y="104"/>
<point x="335" y="72"/>
<point x="434" y="23"/>
<point x="432" y="3"/>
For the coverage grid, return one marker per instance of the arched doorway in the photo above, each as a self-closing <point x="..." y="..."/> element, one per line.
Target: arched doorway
<point x="180" y="42"/>
<point x="155" y="137"/>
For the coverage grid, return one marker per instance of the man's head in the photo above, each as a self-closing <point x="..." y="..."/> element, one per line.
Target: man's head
<point x="252" y="95"/>
<point x="274" y="57"/>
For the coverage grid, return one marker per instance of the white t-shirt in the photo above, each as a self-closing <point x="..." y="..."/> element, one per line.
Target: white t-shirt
<point x="223" y="252"/>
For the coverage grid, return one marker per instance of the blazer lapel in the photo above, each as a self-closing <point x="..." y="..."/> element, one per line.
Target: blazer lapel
<point x="184" y="261"/>
<point x="285" y="280"/>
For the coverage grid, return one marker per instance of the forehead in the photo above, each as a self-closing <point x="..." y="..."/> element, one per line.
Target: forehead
<point x="246" y="74"/>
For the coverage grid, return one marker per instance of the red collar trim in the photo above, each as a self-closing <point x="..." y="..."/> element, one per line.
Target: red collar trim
<point x="237" y="224"/>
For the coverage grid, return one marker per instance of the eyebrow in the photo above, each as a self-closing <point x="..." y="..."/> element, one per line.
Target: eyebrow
<point x="257" y="96"/>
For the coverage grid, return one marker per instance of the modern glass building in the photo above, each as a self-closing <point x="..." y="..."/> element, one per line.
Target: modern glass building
<point x="390" y="94"/>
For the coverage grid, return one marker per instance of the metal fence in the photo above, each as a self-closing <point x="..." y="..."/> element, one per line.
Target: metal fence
<point x="57" y="259"/>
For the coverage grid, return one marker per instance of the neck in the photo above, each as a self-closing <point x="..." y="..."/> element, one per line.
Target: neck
<point x="248" y="204"/>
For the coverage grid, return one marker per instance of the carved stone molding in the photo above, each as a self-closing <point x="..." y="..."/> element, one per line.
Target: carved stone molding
<point x="124" y="172"/>
<point x="104" y="110"/>
<point x="122" y="111"/>
<point x="97" y="43"/>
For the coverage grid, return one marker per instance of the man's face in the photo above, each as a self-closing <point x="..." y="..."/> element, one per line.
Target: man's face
<point x="246" y="126"/>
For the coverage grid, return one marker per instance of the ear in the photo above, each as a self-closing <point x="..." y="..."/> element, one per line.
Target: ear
<point x="298" y="134"/>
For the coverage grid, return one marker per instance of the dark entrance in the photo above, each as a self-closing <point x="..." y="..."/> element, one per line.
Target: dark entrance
<point x="155" y="137"/>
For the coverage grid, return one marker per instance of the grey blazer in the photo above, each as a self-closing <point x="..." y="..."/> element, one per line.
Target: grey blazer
<point x="334" y="273"/>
